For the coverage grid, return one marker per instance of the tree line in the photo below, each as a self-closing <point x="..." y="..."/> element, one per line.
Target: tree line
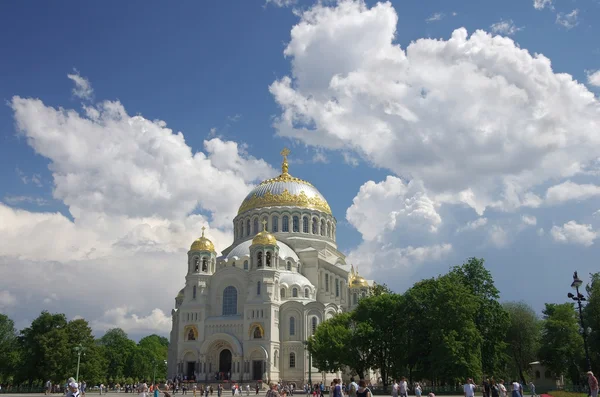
<point x="46" y="351"/>
<point x="447" y="328"/>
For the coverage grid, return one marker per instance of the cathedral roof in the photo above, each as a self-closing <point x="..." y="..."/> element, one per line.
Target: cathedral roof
<point x="294" y="278"/>
<point x="243" y="249"/>
<point x="285" y="191"/>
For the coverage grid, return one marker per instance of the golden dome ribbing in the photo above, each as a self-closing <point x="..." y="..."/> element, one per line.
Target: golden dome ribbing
<point x="202" y="244"/>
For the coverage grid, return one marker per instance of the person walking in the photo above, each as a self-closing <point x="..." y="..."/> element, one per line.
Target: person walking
<point x="593" y="383"/>
<point x="469" y="388"/>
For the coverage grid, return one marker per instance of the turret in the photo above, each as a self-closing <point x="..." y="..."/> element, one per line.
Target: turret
<point x="201" y="256"/>
<point x="264" y="251"/>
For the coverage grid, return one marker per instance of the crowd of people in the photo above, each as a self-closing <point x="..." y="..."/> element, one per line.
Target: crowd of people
<point x="400" y="388"/>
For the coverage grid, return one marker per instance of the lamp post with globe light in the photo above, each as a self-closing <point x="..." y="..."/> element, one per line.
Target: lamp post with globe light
<point x="78" y="349"/>
<point x="580" y="298"/>
<point x="309" y="365"/>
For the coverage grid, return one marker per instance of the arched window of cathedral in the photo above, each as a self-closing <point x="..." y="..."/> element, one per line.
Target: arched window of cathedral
<point x="268" y="259"/>
<point x="241" y="229"/>
<point x="259" y="259"/>
<point x="285" y="224"/>
<point x="294" y="292"/>
<point x="245" y="265"/>
<point x="275" y="224"/>
<point x="289" y="265"/>
<point x="322" y="227"/>
<point x="314" y="324"/>
<point x="248" y="227"/>
<point x="292" y="326"/>
<point x="258" y="288"/>
<point x="326" y="282"/>
<point x="306" y="293"/>
<point x="305" y="224"/>
<point x="257" y="333"/>
<point x="315" y="224"/>
<point x="233" y="264"/>
<point x="292" y="360"/>
<point x="196" y="264"/>
<point x="337" y="288"/>
<point x="298" y="268"/>
<point x="328" y="230"/>
<point x="230" y="301"/>
<point x="537" y="374"/>
<point x="295" y="224"/>
<point x="204" y="264"/>
<point x="282" y="293"/>
<point x="355" y="298"/>
<point x="255" y="226"/>
<point x="364" y="294"/>
<point x="194" y="292"/>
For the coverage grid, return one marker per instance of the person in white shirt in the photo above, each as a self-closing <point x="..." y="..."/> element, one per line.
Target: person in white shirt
<point x="502" y="388"/>
<point x="469" y="388"/>
<point x="403" y="389"/>
<point x="532" y="388"/>
<point x="516" y="389"/>
<point x="395" y="389"/>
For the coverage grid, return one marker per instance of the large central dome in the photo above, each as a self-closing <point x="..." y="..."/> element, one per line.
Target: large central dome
<point x="285" y="191"/>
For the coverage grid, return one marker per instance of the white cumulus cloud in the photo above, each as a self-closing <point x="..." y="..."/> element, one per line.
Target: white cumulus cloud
<point x="574" y="233"/>
<point x="473" y="225"/>
<point x="593" y="78"/>
<point x="476" y="118"/>
<point x="505" y="27"/>
<point x="568" y="190"/>
<point x="137" y="197"/>
<point x="541" y="4"/>
<point x="568" y="21"/>
<point x="125" y="318"/>
<point x="391" y="204"/>
<point x="83" y="88"/>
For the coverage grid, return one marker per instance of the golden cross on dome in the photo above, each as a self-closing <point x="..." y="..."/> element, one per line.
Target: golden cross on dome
<point x="284" y="166"/>
<point x="203" y="228"/>
<point x="264" y="222"/>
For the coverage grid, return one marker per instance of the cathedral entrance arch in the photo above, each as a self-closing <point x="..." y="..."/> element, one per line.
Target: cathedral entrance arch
<point x="225" y="360"/>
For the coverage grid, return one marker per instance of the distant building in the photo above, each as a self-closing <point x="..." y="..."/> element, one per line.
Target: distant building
<point x="246" y="314"/>
<point x="543" y="378"/>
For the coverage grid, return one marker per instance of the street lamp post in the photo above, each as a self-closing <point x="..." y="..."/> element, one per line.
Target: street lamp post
<point x="154" y="362"/>
<point x="580" y="298"/>
<point x="309" y="365"/>
<point x="78" y="349"/>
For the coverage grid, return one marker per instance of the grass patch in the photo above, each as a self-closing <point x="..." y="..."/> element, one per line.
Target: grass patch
<point x="561" y="393"/>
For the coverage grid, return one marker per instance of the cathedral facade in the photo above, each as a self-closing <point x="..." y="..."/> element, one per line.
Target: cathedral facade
<point x="245" y="316"/>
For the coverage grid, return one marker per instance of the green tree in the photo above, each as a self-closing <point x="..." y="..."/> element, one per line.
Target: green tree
<point x="379" y="289"/>
<point x="523" y="336"/>
<point x="330" y="343"/>
<point x="491" y="319"/>
<point x="45" y="347"/>
<point x="383" y="323"/>
<point x="92" y="367"/>
<point x="449" y="345"/>
<point x="149" y="357"/>
<point x="561" y="347"/>
<point x="592" y="320"/>
<point x="9" y="349"/>
<point x="118" y="351"/>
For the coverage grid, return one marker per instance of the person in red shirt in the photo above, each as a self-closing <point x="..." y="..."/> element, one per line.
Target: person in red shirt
<point x="593" y="382"/>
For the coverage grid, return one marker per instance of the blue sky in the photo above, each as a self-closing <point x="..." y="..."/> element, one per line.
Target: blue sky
<point x="460" y="186"/>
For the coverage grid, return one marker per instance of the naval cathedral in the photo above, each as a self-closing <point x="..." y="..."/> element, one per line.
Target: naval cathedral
<point x="245" y="316"/>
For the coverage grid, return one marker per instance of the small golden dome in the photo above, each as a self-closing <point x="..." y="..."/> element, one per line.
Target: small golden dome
<point x="264" y="237"/>
<point x="357" y="280"/>
<point x="202" y="244"/>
